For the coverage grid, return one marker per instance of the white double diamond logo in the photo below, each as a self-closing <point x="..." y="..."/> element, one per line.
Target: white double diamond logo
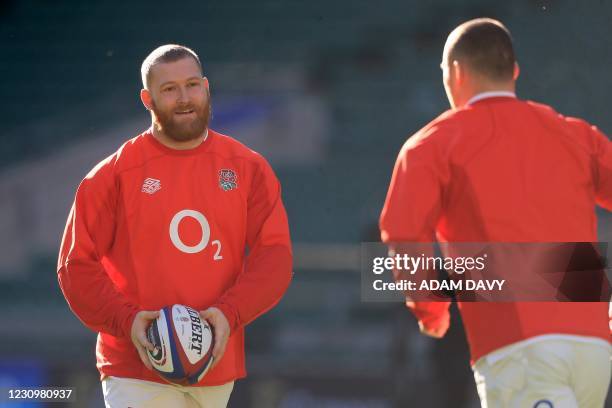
<point x="151" y="186"/>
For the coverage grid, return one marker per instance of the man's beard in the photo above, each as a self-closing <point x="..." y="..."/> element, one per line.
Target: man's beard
<point x="182" y="131"/>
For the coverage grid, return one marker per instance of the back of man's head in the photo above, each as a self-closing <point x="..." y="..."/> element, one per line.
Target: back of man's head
<point x="485" y="45"/>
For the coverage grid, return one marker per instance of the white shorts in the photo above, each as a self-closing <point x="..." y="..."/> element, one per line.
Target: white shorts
<point x="133" y="393"/>
<point x="548" y="373"/>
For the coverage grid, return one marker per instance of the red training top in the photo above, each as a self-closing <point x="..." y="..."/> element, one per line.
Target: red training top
<point x="153" y="226"/>
<point x="503" y="170"/>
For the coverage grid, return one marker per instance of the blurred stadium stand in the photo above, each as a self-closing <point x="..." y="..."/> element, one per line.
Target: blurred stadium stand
<point x="328" y="90"/>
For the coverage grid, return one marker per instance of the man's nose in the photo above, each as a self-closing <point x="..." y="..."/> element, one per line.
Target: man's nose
<point x="183" y="97"/>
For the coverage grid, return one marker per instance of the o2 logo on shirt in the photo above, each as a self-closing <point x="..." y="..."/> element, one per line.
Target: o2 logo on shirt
<point x="199" y="247"/>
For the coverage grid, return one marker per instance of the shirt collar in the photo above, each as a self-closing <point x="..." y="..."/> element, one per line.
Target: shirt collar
<point x="490" y="94"/>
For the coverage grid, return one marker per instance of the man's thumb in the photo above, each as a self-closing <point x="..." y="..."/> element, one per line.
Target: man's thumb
<point x="206" y="314"/>
<point x="150" y="315"/>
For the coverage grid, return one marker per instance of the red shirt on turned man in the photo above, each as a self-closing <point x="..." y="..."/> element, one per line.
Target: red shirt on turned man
<point x="485" y="173"/>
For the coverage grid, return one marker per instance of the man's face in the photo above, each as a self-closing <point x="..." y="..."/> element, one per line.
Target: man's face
<point x="180" y="99"/>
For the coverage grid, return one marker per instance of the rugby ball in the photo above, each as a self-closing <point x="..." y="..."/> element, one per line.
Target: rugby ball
<point x="183" y="345"/>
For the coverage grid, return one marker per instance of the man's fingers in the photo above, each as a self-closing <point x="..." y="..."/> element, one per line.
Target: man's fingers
<point x="219" y="348"/>
<point x="220" y="329"/>
<point x="139" y="335"/>
<point x="144" y="342"/>
<point x="221" y="336"/>
<point x="143" y="356"/>
<point x="218" y="352"/>
<point x="221" y="352"/>
<point x="214" y="363"/>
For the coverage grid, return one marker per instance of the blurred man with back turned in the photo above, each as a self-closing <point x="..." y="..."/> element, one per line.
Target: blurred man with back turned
<point x="167" y="219"/>
<point x="495" y="168"/>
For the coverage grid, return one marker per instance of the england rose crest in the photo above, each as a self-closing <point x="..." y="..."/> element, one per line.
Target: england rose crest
<point x="228" y="180"/>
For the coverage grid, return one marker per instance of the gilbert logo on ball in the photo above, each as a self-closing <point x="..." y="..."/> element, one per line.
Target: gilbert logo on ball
<point x="183" y="345"/>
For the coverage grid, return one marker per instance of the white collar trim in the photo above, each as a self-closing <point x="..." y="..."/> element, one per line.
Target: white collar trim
<point x="490" y="94"/>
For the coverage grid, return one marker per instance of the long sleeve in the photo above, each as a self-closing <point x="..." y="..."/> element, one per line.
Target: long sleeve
<point x="268" y="270"/>
<point x="603" y="160"/>
<point x="89" y="233"/>
<point x="411" y="212"/>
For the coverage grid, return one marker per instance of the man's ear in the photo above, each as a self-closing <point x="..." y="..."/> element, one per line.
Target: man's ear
<point x="146" y="98"/>
<point x="517" y="71"/>
<point x="458" y="72"/>
<point x="206" y="84"/>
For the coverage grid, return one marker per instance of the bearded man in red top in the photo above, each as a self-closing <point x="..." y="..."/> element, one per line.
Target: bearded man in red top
<point x="168" y="219"/>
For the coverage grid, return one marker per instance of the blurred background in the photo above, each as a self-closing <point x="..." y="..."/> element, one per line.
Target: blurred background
<point x="328" y="91"/>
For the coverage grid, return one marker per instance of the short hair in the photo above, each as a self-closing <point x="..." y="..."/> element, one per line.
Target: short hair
<point x="163" y="54"/>
<point x="486" y="46"/>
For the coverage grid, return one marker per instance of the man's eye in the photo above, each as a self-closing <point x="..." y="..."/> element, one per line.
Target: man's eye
<point x="192" y="84"/>
<point x="168" y="89"/>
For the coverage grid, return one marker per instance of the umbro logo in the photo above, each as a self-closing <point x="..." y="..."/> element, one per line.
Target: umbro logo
<point x="151" y="186"/>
